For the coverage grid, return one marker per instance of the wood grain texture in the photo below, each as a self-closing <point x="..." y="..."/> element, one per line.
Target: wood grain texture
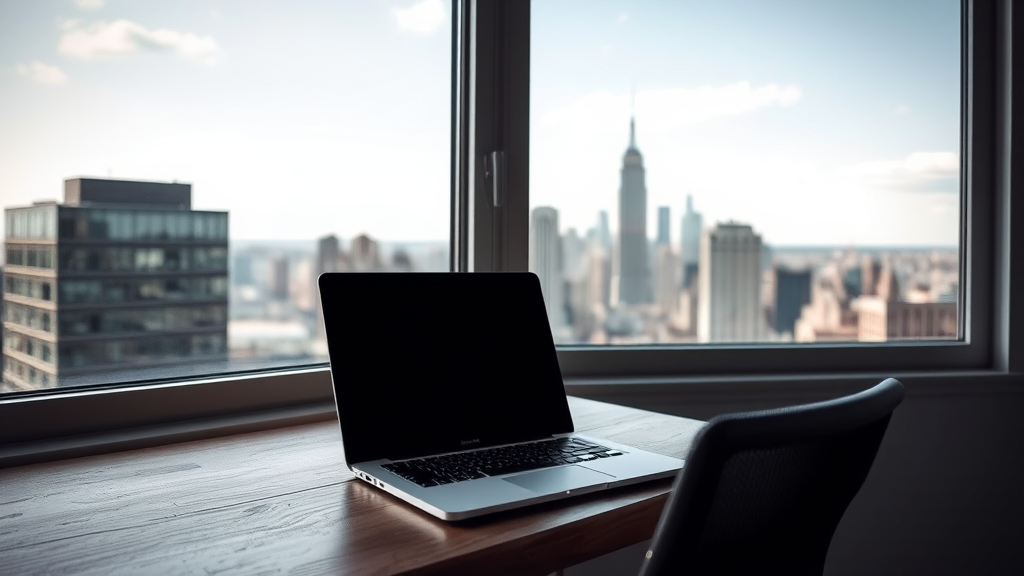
<point x="282" y="502"/>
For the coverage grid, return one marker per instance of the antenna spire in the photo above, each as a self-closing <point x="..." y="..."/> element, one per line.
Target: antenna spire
<point x="632" y="118"/>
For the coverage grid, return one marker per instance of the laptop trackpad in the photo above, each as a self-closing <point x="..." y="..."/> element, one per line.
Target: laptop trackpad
<point x="559" y="479"/>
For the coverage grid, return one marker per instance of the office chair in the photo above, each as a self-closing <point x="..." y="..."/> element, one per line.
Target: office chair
<point x="762" y="492"/>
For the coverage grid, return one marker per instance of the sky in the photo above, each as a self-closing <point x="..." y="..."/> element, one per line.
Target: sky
<point x="815" y="122"/>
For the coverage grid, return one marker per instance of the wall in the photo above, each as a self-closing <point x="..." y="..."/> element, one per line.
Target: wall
<point x="946" y="493"/>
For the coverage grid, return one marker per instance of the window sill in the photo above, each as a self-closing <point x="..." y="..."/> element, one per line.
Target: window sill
<point x="137" y="417"/>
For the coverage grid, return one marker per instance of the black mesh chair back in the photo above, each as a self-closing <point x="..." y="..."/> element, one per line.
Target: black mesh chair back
<point x="762" y="492"/>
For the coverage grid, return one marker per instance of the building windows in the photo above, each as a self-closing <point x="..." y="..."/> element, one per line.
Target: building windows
<point x="169" y="350"/>
<point x="30" y="256"/>
<point x="29" y="316"/>
<point x="141" y="320"/>
<point x="36" y="223"/>
<point x="29" y="287"/>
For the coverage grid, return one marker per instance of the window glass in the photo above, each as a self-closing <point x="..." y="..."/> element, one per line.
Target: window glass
<point x="177" y="175"/>
<point x="745" y="171"/>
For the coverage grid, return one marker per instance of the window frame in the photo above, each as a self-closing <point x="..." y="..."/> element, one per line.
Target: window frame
<point x="490" y="110"/>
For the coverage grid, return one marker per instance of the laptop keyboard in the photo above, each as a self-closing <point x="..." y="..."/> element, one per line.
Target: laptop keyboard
<point x="449" y="468"/>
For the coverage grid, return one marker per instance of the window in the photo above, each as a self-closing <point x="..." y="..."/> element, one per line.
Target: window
<point x="489" y="97"/>
<point x="715" y="139"/>
<point x="764" y="182"/>
<point x="203" y="164"/>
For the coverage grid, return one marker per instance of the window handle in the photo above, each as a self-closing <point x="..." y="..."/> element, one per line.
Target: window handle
<point x="494" y="170"/>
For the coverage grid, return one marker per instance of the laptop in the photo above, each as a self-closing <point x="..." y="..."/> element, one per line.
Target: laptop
<point x="450" y="396"/>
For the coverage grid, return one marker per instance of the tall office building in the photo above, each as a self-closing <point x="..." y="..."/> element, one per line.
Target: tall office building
<point x="604" y="233"/>
<point x="279" y="285"/>
<point x="365" y="254"/>
<point x="122" y="274"/>
<point x="241" y="269"/>
<point x="666" y="280"/>
<point x="328" y="255"/>
<point x="545" y="260"/>
<point x="664" y="226"/>
<point x="631" y="264"/>
<point x="588" y="294"/>
<point x="870" y="271"/>
<point x="792" y="292"/>
<point x="689" y="249"/>
<point x="730" y="285"/>
<point x="573" y="249"/>
<point x="329" y="258"/>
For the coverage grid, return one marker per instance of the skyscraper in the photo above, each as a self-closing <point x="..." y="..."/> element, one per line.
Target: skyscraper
<point x="365" y="254"/>
<point x="604" y="233"/>
<point x="329" y="258"/>
<point x="666" y="280"/>
<point x="631" y="265"/>
<point x="279" y="288"/>
<point x="664" y="226"/>
<point x="573" y="248"/>
<point x="545" y="260"/>
<point x="689" y="241"/>
<point x="122" y="273"/>
<point x="328" y="255"/>
<point x="730" y="285"/>
<point x="792" y="292"/>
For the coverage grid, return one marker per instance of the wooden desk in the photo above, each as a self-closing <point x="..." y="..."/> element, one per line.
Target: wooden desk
<point x="281" y="502"/>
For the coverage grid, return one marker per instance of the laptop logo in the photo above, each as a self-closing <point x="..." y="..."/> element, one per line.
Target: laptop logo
<point x="468" y="442"/>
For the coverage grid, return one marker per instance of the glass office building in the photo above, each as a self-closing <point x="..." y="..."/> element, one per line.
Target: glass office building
<point x="122" y="274"/>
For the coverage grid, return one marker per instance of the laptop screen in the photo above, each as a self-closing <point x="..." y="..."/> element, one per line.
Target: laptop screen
<point x="425" y="363"/>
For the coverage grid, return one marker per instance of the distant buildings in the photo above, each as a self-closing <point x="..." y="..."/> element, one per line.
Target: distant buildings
<point x="604" y="233"/>
<point x="666" y="280"/>
<point x="689" y="242"/>
<point x="279" y="286"/>
<point x="365" y="254"/>
<point x="632" y="277"/>
<point x="545" y="259"/>
<point x="880" y="320"/>
<point x="730" y="285"/>
<point x="122" y="273"/>
<point x="792" y="293"/>
<point x="664" y="226"/>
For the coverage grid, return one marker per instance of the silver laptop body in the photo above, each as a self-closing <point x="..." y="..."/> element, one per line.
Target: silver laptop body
<point x="431" y="368"/>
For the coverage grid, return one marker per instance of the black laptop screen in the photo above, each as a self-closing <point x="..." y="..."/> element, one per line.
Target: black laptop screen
<point x="425" y="363"/>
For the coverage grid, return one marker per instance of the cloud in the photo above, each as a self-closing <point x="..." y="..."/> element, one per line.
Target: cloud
<point x="425" y="16"/>
<point x="671" y="108"/>
<point x="124" y="38"/>
<point x="90" y="4"/>
<point x="622" y="19"/>
<point x="42" y="73"/>
<point x="918" y="172"/>
<point x="901" y="110"/>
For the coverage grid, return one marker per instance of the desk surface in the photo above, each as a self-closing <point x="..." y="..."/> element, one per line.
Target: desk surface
<point x="281" y="502"/>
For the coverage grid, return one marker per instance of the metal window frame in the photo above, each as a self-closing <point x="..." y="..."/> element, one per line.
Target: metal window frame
<point x="490" y="112"/>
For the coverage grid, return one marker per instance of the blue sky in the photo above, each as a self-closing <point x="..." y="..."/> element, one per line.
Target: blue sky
<point x="817" y="122"/>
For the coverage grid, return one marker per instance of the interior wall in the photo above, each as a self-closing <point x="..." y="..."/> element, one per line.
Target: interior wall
<point x="945" y="495"/>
